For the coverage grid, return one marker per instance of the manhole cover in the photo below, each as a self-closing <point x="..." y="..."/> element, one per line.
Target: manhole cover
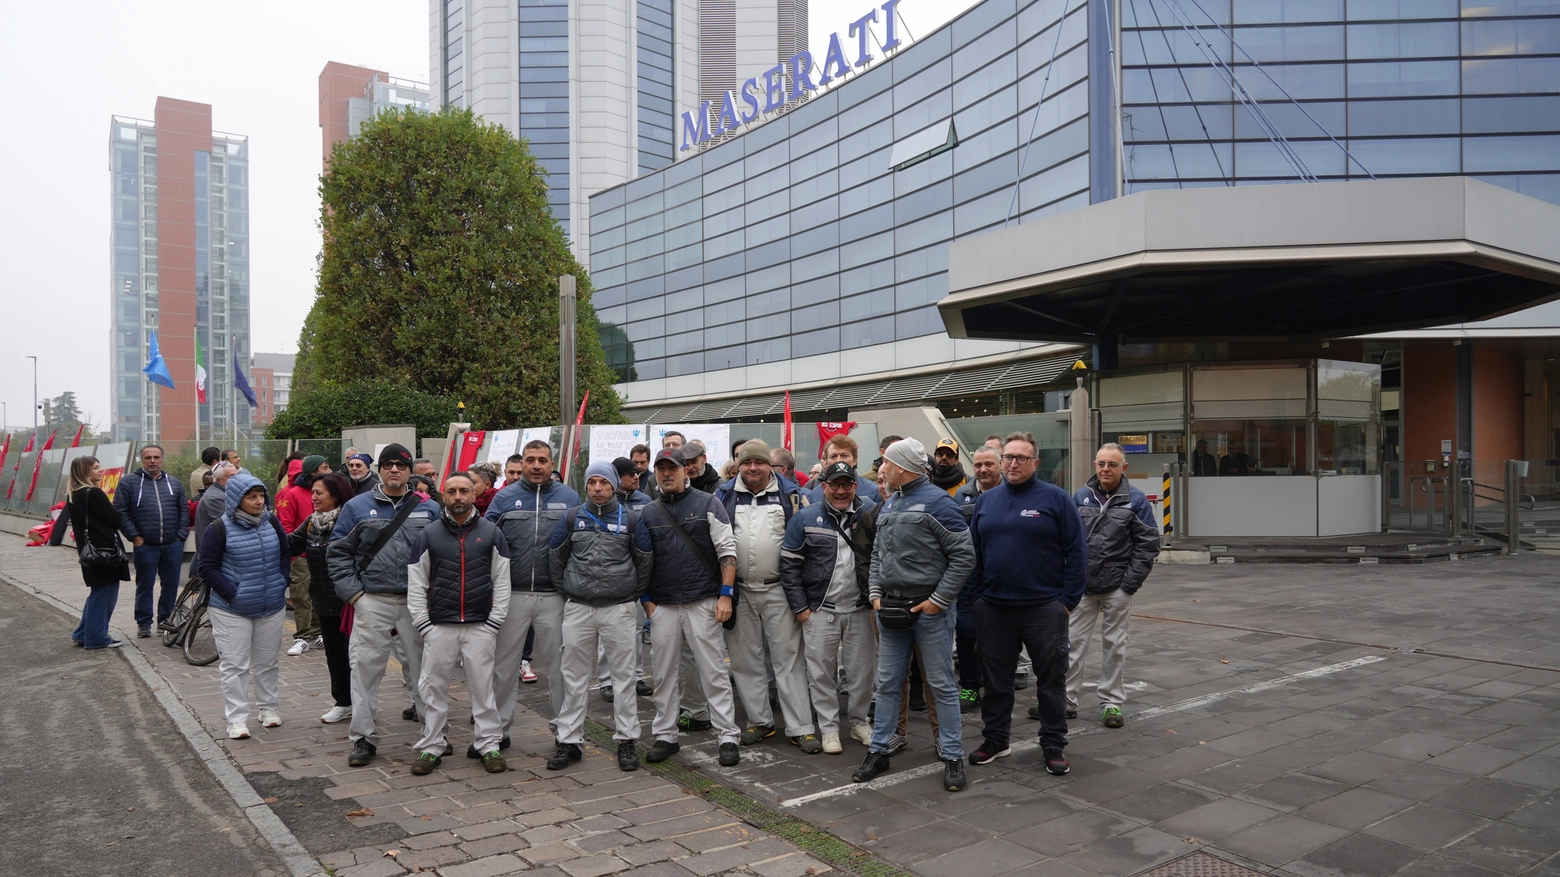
<point x="1200" y="865"/>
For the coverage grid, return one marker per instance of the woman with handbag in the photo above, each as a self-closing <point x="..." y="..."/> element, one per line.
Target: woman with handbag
<point x="104" y="563"/>
<point x="311" y="539"/>
<point x="245" y="559"/>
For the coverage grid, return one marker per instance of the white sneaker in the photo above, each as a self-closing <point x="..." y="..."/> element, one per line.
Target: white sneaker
<point x="319" y="642"/>
<point x="831" y="742"/>
<point x="861" y="734"/>
<point x="269" y="719"/>
<point x="239" y="731"/>
<point x="336" y="714"/>
<point x="527" y="675"/>
<point x="299" y="646"/>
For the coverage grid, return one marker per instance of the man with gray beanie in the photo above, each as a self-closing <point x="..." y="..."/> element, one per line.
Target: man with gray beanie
<point x="601" y="556"/>
<point x="921" y="559"/>
<point x="760" y="507"/>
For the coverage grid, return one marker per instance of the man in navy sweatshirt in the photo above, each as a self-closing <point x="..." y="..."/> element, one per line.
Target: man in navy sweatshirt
<point x="1031" y="560"/>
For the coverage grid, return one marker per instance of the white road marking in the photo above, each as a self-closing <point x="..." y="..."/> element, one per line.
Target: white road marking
<point x="924" y="770"/>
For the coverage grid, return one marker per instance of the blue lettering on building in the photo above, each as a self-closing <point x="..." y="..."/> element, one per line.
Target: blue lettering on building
<point x="762" y="95"/>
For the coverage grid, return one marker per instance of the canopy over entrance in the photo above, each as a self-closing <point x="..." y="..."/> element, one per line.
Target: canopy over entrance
<point x="1285" y="262"/>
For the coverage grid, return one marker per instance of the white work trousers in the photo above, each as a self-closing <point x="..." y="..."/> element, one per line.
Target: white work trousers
<point x="541" y="611"/>
<point x="472" y="646"/>
<point x="370" y="646"/>
<point x="1114" y="609"/>
<point x="834" y="639"/>
<point x="765" y="620"/>
<point x="614" y="629"/>
<point x="247" y="647"/>
<point x="693" y="624"/>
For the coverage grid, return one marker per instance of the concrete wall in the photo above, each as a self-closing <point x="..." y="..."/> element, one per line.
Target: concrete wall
<point x="1498" y="404"/>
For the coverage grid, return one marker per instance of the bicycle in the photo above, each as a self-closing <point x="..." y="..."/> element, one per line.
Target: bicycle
<point x="189" y="598"/>
<point x="191" y="625"/>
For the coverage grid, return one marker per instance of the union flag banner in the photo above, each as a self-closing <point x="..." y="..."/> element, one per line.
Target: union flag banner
<point x="830" y="428"/>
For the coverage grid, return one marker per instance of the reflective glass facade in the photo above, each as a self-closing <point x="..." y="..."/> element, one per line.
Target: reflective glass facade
<point x="544" y="95"/>
<point x="655" y="96"/>
<point x="800" y="237"/>
<point x="1412" y="87"/>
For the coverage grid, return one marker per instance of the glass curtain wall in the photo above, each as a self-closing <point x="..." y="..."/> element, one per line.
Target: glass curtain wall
<point x="800" y="237"/>
<point x="1412" y="87"/>
<point x="656" y="122"/>
<point x="544" y="95"/>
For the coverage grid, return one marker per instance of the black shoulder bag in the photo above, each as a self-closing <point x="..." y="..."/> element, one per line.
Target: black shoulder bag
<point x="93" y="555"/>
<point x="389" y="531"/>
<point x="730" y="623"/>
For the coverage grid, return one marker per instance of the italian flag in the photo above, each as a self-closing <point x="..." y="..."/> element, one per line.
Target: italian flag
<point x="200" y="373"/>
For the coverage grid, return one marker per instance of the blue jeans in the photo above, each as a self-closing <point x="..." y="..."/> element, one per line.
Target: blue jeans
<point x="934" y="634"/>
<point x="151" y="563"/>
<point x="92" y="632"/>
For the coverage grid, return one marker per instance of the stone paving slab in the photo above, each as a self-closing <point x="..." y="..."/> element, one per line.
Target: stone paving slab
<point x="1439" y="754"/>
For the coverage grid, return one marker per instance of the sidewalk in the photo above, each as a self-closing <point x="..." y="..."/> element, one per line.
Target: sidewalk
<point x="589" y="821"/>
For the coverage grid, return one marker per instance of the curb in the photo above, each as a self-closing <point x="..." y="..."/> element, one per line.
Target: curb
<point x="266" y="822"/>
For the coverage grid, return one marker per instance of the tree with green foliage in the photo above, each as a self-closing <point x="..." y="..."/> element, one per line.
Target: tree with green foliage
<point x="331" y="406"/>
<point x="439" y="272"/>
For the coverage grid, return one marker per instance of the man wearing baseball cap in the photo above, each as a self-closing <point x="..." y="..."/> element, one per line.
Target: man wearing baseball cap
<point x="689" y="598"/>
<point x="823" y="568"/>
<point x="946" y="471"/>
<point x="358" y="469"/>
<point x="369" y="569"/>
<point x="628" y="490"/>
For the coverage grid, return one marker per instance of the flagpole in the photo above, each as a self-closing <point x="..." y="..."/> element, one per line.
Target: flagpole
<point x="197" y="390"/>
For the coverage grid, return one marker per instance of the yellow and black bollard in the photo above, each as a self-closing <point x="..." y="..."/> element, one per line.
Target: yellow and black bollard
<point x="1165" y="495"/>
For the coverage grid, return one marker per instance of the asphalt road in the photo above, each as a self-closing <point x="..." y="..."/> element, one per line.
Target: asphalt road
<point x="95" y="779"/>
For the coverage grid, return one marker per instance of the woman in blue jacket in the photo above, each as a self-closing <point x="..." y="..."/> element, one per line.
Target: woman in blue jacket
<point x="245" y="559"/>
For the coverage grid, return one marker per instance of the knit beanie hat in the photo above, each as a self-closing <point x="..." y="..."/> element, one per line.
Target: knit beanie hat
<point x="754" y="449"/>
<point x="907" y="454"/>
<point x="605" y="470"/>
<point x="311" y="463"/>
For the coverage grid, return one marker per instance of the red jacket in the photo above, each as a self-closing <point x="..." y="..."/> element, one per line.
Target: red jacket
<point x="295" y="502"/>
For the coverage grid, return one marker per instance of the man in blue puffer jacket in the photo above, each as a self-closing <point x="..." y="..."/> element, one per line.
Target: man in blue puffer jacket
<point x="157" y="521"/>
<point x="244" y="559"/>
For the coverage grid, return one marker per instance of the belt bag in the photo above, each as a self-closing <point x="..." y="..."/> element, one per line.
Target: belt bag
<point x="896" y="614"/>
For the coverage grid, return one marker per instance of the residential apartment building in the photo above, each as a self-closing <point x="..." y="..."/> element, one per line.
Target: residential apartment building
<point x="351" y="95"/>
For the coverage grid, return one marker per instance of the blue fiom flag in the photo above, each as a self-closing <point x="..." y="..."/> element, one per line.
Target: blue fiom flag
<point x="242" y="383"/>
<point x="156" y="369"/>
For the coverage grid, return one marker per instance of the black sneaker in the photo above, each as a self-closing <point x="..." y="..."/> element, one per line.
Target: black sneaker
<point x="643" y="689"/>
<point x="1020" y="681"/>
<point x="362" y="752"/>
<point x="755" y="733"/>
<point x="917" y="699"/>
<point x="566" y="753"/>
<point x="471" y="751"/>
<point x="1071" y="714"/>
<point x="662" y="750"/>
<point x="409" y="714"/>
<point x="143" y="632"/>
<point x="969" y="700"/>
<point x="809" y="743"/>
<point x="606" y="693"/>
<point x="729" y="756"/>
<point x="875" y="764"/>
<point x="989" y="752"/>
<point x="425" y="763"/>
<point x="169" y="626"/>
<point x="954" y="779"/>
<point x="686" y="722"/>
<point x="1034" y="711"/>
<point x="1055" y="764"/>
<point x="628" y="756"/>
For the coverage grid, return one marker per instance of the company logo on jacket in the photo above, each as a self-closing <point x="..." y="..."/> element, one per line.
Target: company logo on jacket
<point x="1029" y="513"/>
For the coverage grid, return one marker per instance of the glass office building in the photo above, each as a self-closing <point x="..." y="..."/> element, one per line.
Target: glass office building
<point x="810" y="251"/>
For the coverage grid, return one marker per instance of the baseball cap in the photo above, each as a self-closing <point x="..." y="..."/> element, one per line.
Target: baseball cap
<point x="840" y="471"/>
<point x="672" y="455"/>
<point x="948" y="443"/>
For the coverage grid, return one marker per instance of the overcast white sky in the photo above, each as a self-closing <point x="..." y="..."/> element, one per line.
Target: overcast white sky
<point x="258" y="65"/>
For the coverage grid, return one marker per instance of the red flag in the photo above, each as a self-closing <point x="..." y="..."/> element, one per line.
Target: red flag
<point x="579" y="421"/>
<point x="470" y="443"/>
<point x="786" y="436"/>
<point x="17" y="469"/>
<point x="38" y="465"/>
<point x="830" y="428"/>
<point x="76" y="442"/>
<point x="5" y="451"/>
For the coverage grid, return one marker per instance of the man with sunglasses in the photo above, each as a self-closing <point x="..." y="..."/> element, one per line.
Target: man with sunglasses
<point x="1029" y="575"/>
<point x="1123" y="542"/>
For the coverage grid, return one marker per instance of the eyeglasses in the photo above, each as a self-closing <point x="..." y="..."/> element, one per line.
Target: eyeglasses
<point x="395" y="465"/>
<point x="1016" y="460"/>
<point x="1107" y="464"/>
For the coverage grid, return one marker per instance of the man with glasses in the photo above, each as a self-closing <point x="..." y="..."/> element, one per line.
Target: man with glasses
<point x="371" y="574"/>
<point x="1123" y="542"/>
<point x="1030" y="564"/>
<point x="358" y="470"/>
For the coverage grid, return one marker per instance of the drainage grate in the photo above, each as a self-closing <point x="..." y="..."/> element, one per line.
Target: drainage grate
<point x="1200" y="865"/>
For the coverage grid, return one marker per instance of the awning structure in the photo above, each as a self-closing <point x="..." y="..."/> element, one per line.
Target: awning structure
<point x="1284" y="262"/>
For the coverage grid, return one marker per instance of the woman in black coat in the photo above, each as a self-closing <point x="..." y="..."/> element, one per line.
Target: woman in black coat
<point x="310" y="539"/>
<point x="92" y="516"/>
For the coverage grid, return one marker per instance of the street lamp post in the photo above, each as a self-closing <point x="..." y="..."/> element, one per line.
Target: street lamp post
<point x="35" y="392"/>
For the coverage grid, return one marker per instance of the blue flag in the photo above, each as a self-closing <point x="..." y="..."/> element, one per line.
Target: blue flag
<point x="242" y="383"/>
<point x="156" y="369"/>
